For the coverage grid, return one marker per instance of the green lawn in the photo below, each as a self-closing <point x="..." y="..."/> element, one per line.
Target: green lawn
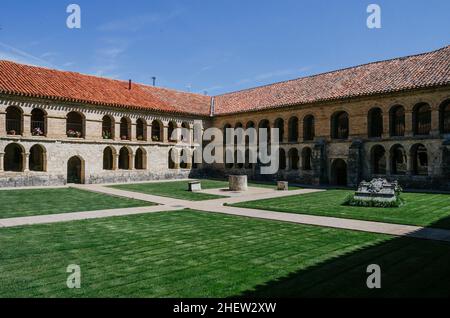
<point x="420" y="208"/>
<point x="17" y="203"/>
<point x="179" y="189"/>
<point x="197" y="254"/>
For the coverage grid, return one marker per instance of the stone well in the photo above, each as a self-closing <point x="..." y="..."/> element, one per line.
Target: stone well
<point x="238" y="183"/>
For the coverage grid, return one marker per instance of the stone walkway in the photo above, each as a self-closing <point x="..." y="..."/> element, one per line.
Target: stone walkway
<point x="217" y="206"/>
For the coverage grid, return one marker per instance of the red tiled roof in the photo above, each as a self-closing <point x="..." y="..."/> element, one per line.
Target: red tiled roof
<point x="425" y="70"/>
<point x="32" y="81"/>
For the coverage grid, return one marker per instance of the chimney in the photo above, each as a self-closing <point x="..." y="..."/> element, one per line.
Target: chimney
<point x="154" y="80"/>
<point x="129" y="85"/>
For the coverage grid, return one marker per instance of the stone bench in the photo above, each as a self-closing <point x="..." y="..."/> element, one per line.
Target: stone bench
<point x="195" y="186"/>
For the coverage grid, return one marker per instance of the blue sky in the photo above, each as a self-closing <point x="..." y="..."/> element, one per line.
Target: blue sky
<point x="217" y="45"/>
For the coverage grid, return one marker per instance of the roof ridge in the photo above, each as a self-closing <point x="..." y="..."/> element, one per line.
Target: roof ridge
<point x="335" y="71"/>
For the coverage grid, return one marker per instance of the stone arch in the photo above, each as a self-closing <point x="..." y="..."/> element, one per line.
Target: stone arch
<point x="109" y="155"/>
<point x="279" y="123"/>
<point x="141" y="129"/>
<point x="378" y="160"/>
<point x="14" y="120"/>
<point x="265" y="124"/>
<point x="14" y="158"/>
<point x="185" y="132"/>
<point x="399" y="160"/>
<point x="444" y="117"/>
<point x="140" y="159"/>
<point x="422" y="119"/>
<point x="340" y="128"/>
<point x="75" y="125"/>
<point x="125" y="128"/>
<point x="293" y="129"/>
<point x="172" y="158"/>
<point x="309" y="128"/>
<point x="282" y="159"/>
<point x="375" y="123"/>
<point x="306" y="159"/>
<point x="38" y="158"/>
<point x="108" y="127"/>
<point x="157" y="130"/>
<point x="38" y="125"/>
<point x="293" y="159"/>
<point x="397" y="121"/>
<point x="125" y="156"/>
<point x="339" y="172"/>
<point x="76" y="170"/>
<point x="419" y="157"/>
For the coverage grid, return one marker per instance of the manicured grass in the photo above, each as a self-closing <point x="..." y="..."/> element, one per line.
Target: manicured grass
<point x="179" y="189"/>
<point x="18" y="203"/>
<point x="420" y="208"/>
<point x="197" y="254"/>
<point x="170" y="254"/>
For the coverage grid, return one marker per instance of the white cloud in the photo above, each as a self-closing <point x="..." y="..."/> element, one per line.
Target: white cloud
<point x="8" y="52"/>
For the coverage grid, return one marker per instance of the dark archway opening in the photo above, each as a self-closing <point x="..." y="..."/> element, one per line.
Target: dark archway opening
<point x="339" y="172"/>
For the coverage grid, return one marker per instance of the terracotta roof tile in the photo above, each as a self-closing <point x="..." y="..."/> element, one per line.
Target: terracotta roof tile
<point x="425" y="70"/>
<point x="32" y="81"/>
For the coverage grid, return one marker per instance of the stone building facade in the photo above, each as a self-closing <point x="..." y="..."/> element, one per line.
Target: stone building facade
<point x="387" y="119"/>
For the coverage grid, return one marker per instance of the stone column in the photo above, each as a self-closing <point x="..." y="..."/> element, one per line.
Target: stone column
<point x="2" y="123"/>
<point x="409" y="123"/>
<point x="133" y="131"/>
<point x="115" y="164"/>
<point x="26" y="129"/>
<point x="435" y="122"/>
<point x="117" y="135"/>
<point x="300" y="136"/>
<point x="26" y="161"/>
<point x="409" y="164"/>
<point x="2" y="156"/>
<point x="286" y="131"/>
<point x="165" y="133"/>
<point x="386" y="125"/>
<point x="354" y="165"/>
<point x="149" y="132"/>
<point x="131" y="161"/>
<point x="388" y="163"/>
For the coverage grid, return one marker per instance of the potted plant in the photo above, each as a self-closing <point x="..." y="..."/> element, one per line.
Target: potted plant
<point x="73" y="134"/>
<point x="37" y="132"/>
<point x="140" y="138"/>
<point x="12" y="132"/>
<point x="155" y="138"/>
<point x="124" y="138"/>
<point x="106" y="135"/>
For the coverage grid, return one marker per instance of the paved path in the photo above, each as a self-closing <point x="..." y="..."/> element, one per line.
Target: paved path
<point x="217" y="206"/>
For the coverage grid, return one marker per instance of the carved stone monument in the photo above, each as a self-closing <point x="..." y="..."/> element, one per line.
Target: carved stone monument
<point x="379" y="190"/>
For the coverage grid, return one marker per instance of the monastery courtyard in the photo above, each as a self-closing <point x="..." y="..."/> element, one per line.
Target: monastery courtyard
<point x="157" y="239"/>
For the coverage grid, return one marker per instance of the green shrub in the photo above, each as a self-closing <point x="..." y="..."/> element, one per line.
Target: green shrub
<point x="351" y="201"/>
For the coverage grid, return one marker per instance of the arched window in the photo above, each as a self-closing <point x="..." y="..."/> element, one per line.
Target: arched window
<point x="185" y="132"/>
<point x="444" y="114"/>
<point x="172" y="159"/>
<point x="398" y="160"/>
<point x="171" y="128"/>
<point x="339" y="126"/>
<point x="225" y="141"/>
<point x="265" y="125"/>
<point x="108" y="159"/>
<point x="309" y="128"/>
<point x="419" y="156"/>
<point x="107" y="127"/>
<point x="124" y="158"/>
<point x="422" y="119"/>
<point x="157" y="131"/>
<point x="141" y="130"/>
<point x="293" y="159"/>
<point x="339" y="172"/>
<point x="293" y="129"/>
<point x="38" y="126"/>
<point x="378" y="159"/>
<point x="37" y="158"/>
<point x="397" y="121"/>
<point x="279" y="123"/>
<point x="282" y="160"/>
<point x="125" y="129"/>
<point x="375" y="123"/>
<point x="184" y="159"/>
<point x="13" y="159"/>
<point x="75" y="125"/>
<point x="14" y="121"/>
<point x="140" y="159"/>
<point x="306" y="158"/>
<point x="250" y="124"/>
<point x="75" y="170"/>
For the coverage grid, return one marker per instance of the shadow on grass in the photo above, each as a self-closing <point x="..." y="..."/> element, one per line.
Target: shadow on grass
<point x="410" y="267"/>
